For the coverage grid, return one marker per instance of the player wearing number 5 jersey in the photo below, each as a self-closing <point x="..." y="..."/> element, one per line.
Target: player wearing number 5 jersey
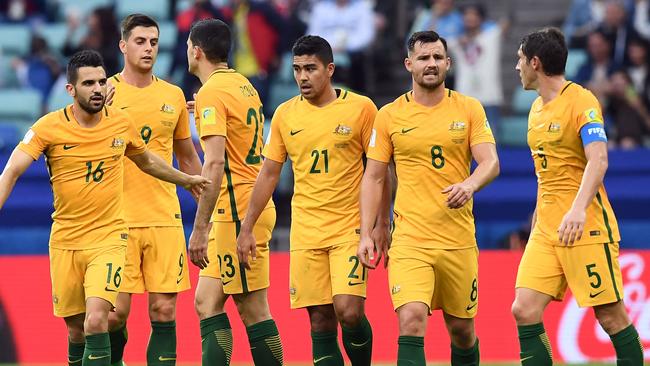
<point x="574" y="239"/>
<point x="432" y="134"/>
<point x="156" y="259"/>
<point x="84" y="145"/>
<point x="229" y="120"/>
<point x="325" y="133"/>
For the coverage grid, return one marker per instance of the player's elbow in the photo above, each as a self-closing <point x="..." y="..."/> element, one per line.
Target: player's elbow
<point x="214" y="163"/>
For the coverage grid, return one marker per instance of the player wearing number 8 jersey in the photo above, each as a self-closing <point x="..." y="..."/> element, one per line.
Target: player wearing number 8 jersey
<point x="84" y="145"/>
<point x="156" y="259"/>
<point x="229" y="120"/>
<point x="574" y="238"/>
<point x="432" y="134"/>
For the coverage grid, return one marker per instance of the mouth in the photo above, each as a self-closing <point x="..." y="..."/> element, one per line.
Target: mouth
<point x="147" y="58"/>
<point x="305" y="88"/>
<point x="96" y="99"/>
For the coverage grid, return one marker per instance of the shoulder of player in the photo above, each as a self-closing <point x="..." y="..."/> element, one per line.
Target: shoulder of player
<point x="357" y="99"/>
<point x="117" y="115"/>
<point x="287" y="106"/>
<point x="464" y="102"/>
<point x="51" y="119"/>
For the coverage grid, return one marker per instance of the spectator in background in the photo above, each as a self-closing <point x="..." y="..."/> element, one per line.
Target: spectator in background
<point x="103" y="36"/>
<point x="583" y="18"/>
<point x="349" y="27"/>
<point x="40" y="69"/>
<point x="19" y="11"/>
<point x="595" y="72"/>
<point x="201" y="9"/>
<point x="617" y="29"/>
<point x="630" y="116"/>
<point x="476" y="54"/>
<point x="257" y="27"/>
<point x="442" y="17"/>
<point x="295" y="24"/>
<point x="638" y="68"/>
<point x="642" y="18"/>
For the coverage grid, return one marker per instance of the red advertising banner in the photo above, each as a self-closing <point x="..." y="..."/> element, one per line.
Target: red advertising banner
<point x="39" y="337"/>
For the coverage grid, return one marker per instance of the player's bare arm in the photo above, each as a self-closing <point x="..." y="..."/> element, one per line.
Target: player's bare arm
<point x="573" y="221"/>
<point x="486" y="170"/>
<point x="262" y="191"/>
<point x="372" y="186"/>
<point x="155" y="166"/>
<point x="18" y="162"/>
<point x="381" y="232"/>
<point x="215" y="147"/>
<point x="188" y="159"/>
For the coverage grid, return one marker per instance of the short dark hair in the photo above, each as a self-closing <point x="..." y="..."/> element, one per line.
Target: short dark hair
<point x="424" y="37"/>
<point x="549" y="46"/>
<point x="479" y="8"/>
<point x="136" y="20"/>
<point x="85" y="58"/>
<point x="212" y="36"/>
<point x="313" y="45"/>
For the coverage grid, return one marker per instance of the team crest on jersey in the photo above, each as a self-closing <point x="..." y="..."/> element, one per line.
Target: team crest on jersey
<point x="593" y="115"/>
<point x="167" y="108"/>
<point x="457" y="130"/>
<point x="554" y="127"/>
<point x="342" y="132"/>
<point x="117" y="143"/>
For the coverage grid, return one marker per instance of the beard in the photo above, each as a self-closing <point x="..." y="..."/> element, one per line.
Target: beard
<point x="432" y="85"/>
<point x="90" y="108"/>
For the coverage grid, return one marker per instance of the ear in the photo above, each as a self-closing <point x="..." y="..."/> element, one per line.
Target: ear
<point x="70" y="89"/>
<point x="197" y="53"/>
<point x="408" y="64"/>
<point x="330" y="69"/>
<point x="449" y="63"/>
<point x="123" y="46"/>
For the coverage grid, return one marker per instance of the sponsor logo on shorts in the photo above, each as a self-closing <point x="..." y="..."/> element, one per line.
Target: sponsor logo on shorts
<point x="470" y="306"/>
<point x="350" y="283"/>
<point x="226" y="282"/>
<point x="108" y="289"/>
<point x="596" y="294"/>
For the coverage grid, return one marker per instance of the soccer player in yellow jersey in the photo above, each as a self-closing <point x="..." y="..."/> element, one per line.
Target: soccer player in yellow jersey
<point x="574" y="238"/>
<point x="156" y="258"/>
<point x="325" y="133"/>
<point x="230" y="121"/>
<point x="431" y="133"/>
<point x="84" y="145"/>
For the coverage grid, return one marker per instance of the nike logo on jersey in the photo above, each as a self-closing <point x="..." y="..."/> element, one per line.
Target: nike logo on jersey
<point x="124" y="107"/>
<point x="596" y="294"/>
<point x="470" y="307"/>
<point x="68" y="147"/>
<point x="405" y="130"/>
<point x="317" y="360"/>
<point x="350" y="283"/>
<point x="296" y="132"/>
<point x="163" y="359"/>
<point x="93" y="357"/>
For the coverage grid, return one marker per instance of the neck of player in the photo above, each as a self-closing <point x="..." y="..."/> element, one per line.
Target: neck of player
<point x="206" y="69"/>
<point x="137" y="78"/>
<point x="85" y="119"/>
<point x="326" y="97"/>
<point x="550" y="87"/>
<point x="428" y="97"/>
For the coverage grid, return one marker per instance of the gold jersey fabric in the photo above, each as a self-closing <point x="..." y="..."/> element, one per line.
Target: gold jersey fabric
<point x="159" y="113"/>
<point x="431" y="147"/>
<point x="559" y="157"/>
<point x="86" y="167"/>
<point x="228" y="105"/>
<point x="326" y="147"/>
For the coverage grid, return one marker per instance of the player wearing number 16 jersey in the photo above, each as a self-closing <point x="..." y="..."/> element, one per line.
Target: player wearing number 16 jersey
<point x="574" y="238"/>
<point x="230" y="121"/>
<point x="432" y="134"/>
<point x="156" y="259"/>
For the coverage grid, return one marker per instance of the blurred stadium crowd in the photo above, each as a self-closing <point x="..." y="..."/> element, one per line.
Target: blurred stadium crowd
<point x="609" y="54"/>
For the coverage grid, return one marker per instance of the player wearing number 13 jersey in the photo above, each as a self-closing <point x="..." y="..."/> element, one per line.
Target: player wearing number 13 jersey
<point x="574" y="238"/>
<point x="432" y="134"/>
<point x="229" y="121"/>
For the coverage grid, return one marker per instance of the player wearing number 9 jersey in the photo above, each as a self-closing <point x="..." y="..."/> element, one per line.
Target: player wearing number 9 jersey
<point x="156" y="259"/>
<point x="574" y="238"/>
<point x="432" y="134"/>
<point x="84" y="145"/>
<point x="229" y="121"/>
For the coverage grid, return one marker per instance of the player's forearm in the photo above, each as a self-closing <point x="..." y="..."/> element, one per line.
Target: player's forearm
<point x="370" y="201"/>
<point x="383" y="217"/>
<point x="8" y="180"/>
<point x="158" y="168"/>
<point x="484" y="173"/>
<point x="190" y="165"/>
<point x="212" y="170"/>
<point x="262" y="192"/>
<point x="591" y="181"/>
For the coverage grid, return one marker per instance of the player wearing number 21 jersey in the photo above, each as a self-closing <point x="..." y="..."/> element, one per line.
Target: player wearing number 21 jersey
<point x="432" y="134"/>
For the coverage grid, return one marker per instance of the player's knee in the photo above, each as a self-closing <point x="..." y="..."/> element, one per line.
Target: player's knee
<point x="462" y="334"/>
<point x="350" y="316"/>
<point x="206" y="306"/>
<point x="323" y="319"/>
<point x="76" y="334"/>
<point x="412" y="322"/>
<point x="525" y="314"/>
<point x="162" y="310"/>
<point x="96" y="322"/>
<point x="612" y="318"/>
<point x="117" y="319"/>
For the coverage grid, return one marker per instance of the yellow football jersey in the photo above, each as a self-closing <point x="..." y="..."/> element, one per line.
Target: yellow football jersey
<point x="228" y="105"/>
<point x="326" y="147"/>
<point x="559" y="157"/>
<point x="431" y="150"/>
<point x="86" y="172"/>
<point x="159" y="114"/>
